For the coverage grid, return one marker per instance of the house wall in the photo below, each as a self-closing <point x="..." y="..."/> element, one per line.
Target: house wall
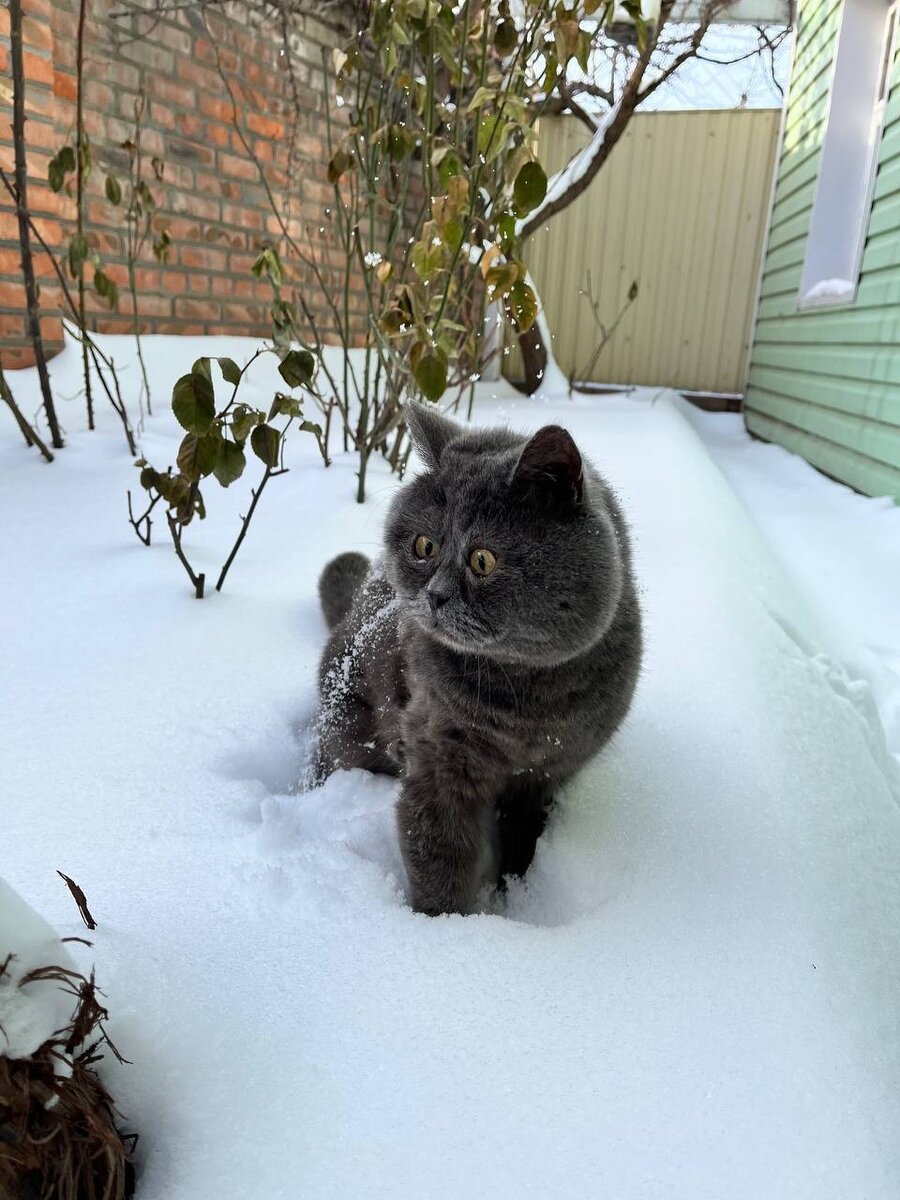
<point x="212" y="198"/>
<point x="826" y="383"/>
<point x="681" y="207"/>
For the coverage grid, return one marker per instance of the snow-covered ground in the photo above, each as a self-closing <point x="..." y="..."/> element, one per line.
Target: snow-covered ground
<point x="840" y="550"/>
<point x="696" y="995"/>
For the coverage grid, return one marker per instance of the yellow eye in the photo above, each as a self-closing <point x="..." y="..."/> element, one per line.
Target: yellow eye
<point x="482" y="562"/>
<point x="425" y="547"/>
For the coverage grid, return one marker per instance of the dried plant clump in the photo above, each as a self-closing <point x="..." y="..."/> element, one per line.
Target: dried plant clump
<point x="58" y="1134"/>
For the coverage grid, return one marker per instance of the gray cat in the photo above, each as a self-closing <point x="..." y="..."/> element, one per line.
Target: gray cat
<point x="494" y="652"/>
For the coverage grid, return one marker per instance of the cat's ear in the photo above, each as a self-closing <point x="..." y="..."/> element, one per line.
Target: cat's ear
<point x="552" y="461"/>
<point x="429" y="431"/>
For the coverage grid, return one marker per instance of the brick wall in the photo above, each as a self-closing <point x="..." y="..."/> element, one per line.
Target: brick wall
<point x="211" y="199"/>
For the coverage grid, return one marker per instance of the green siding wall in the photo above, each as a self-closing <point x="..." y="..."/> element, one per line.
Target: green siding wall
<point x="826" y="383"/>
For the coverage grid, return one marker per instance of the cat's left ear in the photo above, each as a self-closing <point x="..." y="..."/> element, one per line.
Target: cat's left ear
<point x="552" y="460"/>
<point x="429" y="430"/>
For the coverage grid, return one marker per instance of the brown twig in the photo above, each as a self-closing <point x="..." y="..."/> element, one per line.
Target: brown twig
<point x="80" y="899"/>
<point x="80" y="159"/>
<point x="245" y="523"/>
<point x="199" y="581"/>
<point x="21" y="198"/>
<point x="31" y="436"/>
<point x="82" y="335"/>
<point x="143" y="519"/>
<point x="606" y="333"/>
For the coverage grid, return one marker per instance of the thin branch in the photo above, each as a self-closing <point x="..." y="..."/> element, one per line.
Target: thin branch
<point x="82" y="335"/>
<point x="197" y="580"/>
<point x="143" y="519"/>
<point x="31" y="436"/>
<point x="245" y="523"/>
<point x="81" y="153"/>
<point x="20" y="195"/>
<point x="690" y="51"/>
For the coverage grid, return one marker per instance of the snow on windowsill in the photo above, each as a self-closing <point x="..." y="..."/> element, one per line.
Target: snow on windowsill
<point x="828" y="293"/>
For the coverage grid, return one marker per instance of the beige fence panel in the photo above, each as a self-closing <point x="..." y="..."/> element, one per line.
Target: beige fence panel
<point x="681" y="207"/>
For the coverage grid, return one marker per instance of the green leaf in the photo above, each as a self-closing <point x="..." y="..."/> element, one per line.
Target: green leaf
<point x="231" y="372"/>
<point x="288" y="405"/>
<point x="484" y="95"/>
<point x="198" y="456"/>
<point x="431" y="374"/>
<point x="161" y="246"/>
<point x="450" y="166"/>
<point x="106" y="287"/>
<point x="297" y="368"/>
<point x="113" y="190"/>
<point x="505" y="38"/>
<point x="78" y="252"/>
<point x="265" y="442"/>
<point x="340" y="163"/>
<point x="176" y="491"/>
<point x="60" y="165"/>
<point x="243" y="420"/>
<point x="522" y="305"/>
<point x="230" y="463"/>
<point x="194" y="402"/>
<point x="268" y="263"/>
<point x="530" y="188"/>
<point x="500" y="279"/>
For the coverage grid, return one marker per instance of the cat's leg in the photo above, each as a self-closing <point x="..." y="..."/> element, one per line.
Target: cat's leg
<point x="348" y="738"/>
<point x="522" y="810"/>
<point x="447" y="827"/>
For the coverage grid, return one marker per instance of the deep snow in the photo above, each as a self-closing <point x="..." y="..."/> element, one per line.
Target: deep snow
<point x="697" y="992"/>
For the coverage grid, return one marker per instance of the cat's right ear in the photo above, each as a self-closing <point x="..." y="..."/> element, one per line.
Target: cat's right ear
<point x="429" y="430"/>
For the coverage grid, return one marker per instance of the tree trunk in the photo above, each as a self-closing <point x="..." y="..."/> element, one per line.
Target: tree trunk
<point x="534" y="352"/>
<point x="31" y="296"/>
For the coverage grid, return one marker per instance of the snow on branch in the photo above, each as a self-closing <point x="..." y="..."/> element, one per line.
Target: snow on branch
<point x="575" y="170"/>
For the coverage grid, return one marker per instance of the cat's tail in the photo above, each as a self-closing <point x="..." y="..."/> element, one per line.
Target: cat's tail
<point x="339" y="583"/>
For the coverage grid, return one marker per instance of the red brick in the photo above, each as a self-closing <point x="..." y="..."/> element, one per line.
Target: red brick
<point x="173" y="281"/>
<point x="64" y="85"/>
<point x="37" y="69"/>
<point x="266" y="127"/>
<point x="203" y="310"/>
<point x="215" y="106"/>
<point x="204" y="258"/>
<point x="218" y="135"/>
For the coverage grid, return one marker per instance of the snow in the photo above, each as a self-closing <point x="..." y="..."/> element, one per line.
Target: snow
<point x="840" y="550"/>
<point x="30" y="1013"/>
<point x="694" y="996"/>
<point x="830" y="291"/>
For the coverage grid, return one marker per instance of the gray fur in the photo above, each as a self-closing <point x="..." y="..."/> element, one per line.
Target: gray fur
<point x="339" y="583"/>
<point x="484" y="693"/>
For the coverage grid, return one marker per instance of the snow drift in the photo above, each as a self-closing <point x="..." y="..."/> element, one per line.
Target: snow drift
<point x="696" y="993"/>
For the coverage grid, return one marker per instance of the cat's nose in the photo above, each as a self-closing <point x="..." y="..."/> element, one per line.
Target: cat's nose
<point x="437" y="599"/>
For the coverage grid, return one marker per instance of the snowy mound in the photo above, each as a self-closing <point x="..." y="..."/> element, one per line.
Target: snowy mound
<point x="30" y="1013"/>
<point x="696" y="993"/>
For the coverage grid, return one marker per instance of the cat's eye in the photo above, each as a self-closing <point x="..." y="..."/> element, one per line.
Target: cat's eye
<point x="425" y="547"/>
<point x="482" y="562"/>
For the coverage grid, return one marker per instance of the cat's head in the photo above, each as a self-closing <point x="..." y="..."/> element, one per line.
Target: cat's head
<point x="504" y="545"/>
